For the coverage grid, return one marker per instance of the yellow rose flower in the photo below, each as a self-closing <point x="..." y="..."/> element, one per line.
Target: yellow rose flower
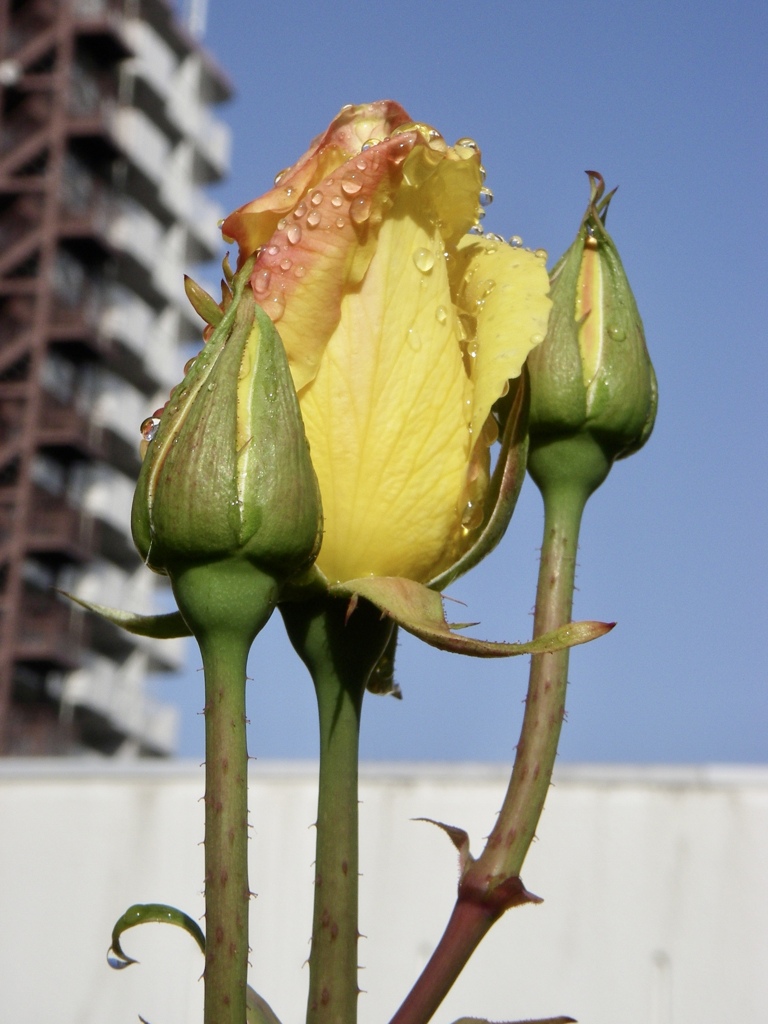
<point x="401" y="331"/>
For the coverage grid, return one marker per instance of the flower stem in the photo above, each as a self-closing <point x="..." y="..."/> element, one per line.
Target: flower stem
<point x="567" y="472"/>
<point x="340" y="654"/>
<point x="225" y="604"/>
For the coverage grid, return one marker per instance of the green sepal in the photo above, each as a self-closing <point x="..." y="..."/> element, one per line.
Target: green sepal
<point x="506" y="481"/>
<point x="206" y="307"/>
<point x="168" y="626"/>
<point x="419" y="610"/>
<point x="150" y="913"/>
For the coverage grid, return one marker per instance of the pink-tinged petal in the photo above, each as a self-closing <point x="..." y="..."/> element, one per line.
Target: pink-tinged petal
<point x="253" y="224"/>
<point x="321" y="250"/>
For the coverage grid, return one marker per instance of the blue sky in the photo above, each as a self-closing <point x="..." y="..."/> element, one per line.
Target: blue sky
<point x="668" y="102"/>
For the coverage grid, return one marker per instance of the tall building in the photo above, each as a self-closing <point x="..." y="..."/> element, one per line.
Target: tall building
<point x="107" y="138"/>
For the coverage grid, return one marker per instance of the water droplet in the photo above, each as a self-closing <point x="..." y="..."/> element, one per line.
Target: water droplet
<point x="369" y="145"/>
<point x="476" y="229"/>
<point x="273" y="250"/>
<point x="472" y="516"/>
<point x="483" y="173"/>
<point x="492" y="237"/>
<point x="300" y="271"/>
<point x="261" y="281"/>
<point x="285" y="264"/>
<point x="281" y="174"/>
<point x="516" y="241"/>
<point x="486" y="196"/>
<point x="617" y="332"/>
<point x="336" y="201"/>
<point x="424" y="260"/>
<point x="300" y="210"/>
<point x="188" y="365"/>
<point x="281" y="224"/>
<point x="148" y="428"/>
<point x="211" y="386"/>
<point x="399" y="153"/>
<point x="316" y="198"/>
<point x="294" y="234"/>
<point x="541" y="254"/>
<point x="414" y="340"/>
<point x="118" y="963"/>
<point x="536" y="339"/>
<point x="340" y="222"/>
<point x="360" y="210"/>
<point x="505" y="389"/>
<point x="351" y="184"/>
<point x="485" y="289"/>
<point x="275" y="307"/>
<point x="361" y="164"/>
<point x="467" y="143"/>
<point x="313" y="218"/>
<point x="441" y="313"/>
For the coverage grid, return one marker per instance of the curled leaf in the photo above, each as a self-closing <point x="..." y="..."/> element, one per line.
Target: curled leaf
<point x="419" y="610"/>
<point x="161" y="627"/>
<point x="146" y="913"/>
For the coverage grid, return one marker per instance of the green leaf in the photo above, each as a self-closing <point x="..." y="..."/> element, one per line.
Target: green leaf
<point x="161" y="627"/>
<point x="419" y="610"/>
<point x="146" y="913"/>
<point x="258" y="1010"/>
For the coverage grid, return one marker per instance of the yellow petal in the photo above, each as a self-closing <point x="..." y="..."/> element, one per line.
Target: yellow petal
<point x="503" y="294"/>
<point x="387" y="414"/>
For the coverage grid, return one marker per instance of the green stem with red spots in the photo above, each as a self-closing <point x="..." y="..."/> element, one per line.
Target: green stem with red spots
<point x="567" y="471"/>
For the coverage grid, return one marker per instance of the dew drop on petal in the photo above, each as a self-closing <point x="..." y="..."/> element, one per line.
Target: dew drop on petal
<point x="369" y="145"/>
<point x="472" y="515"/>
<point x="486" y="196"/>
<point x="336" y="201"/>
<point x="541" y="254"/>
<point x="261" y="281"/>
<point x="340" y="222"/>
<point x="300" y="271"/>
<point x="148" y="428"/>
<point x="275" y="307"/>
<point x="300" y="210"/>
<point x="414" y="339"/>
<point x="313" y="218"/>
<point x="536" y="339"/>
<point x="361" y="164"/>
<point x="273" y="250"/>
<point x="351" y="184"/>
<point x="617" y="332"/>
<point x="424" y="260"/>
<point x="467" y="143"/>
<point x="516" y="241"/>
<point x="285" y="264"/>
<point x="280" y="175"/>
<point x="282" y="223"/>
<point x="316" y="198"/>
<point x="441" y="314"/>
<point x="294" y="234"/>
<point x="188" y="365"/>
<point x="360" y="210"/>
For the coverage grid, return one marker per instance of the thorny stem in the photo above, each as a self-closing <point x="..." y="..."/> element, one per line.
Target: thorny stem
<point x="225" y="604"/>
<point x="567" y="472"/>
<point x="340" y="656"/>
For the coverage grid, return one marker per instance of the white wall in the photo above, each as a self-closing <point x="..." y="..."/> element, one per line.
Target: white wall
<point x="654" y="879"/>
